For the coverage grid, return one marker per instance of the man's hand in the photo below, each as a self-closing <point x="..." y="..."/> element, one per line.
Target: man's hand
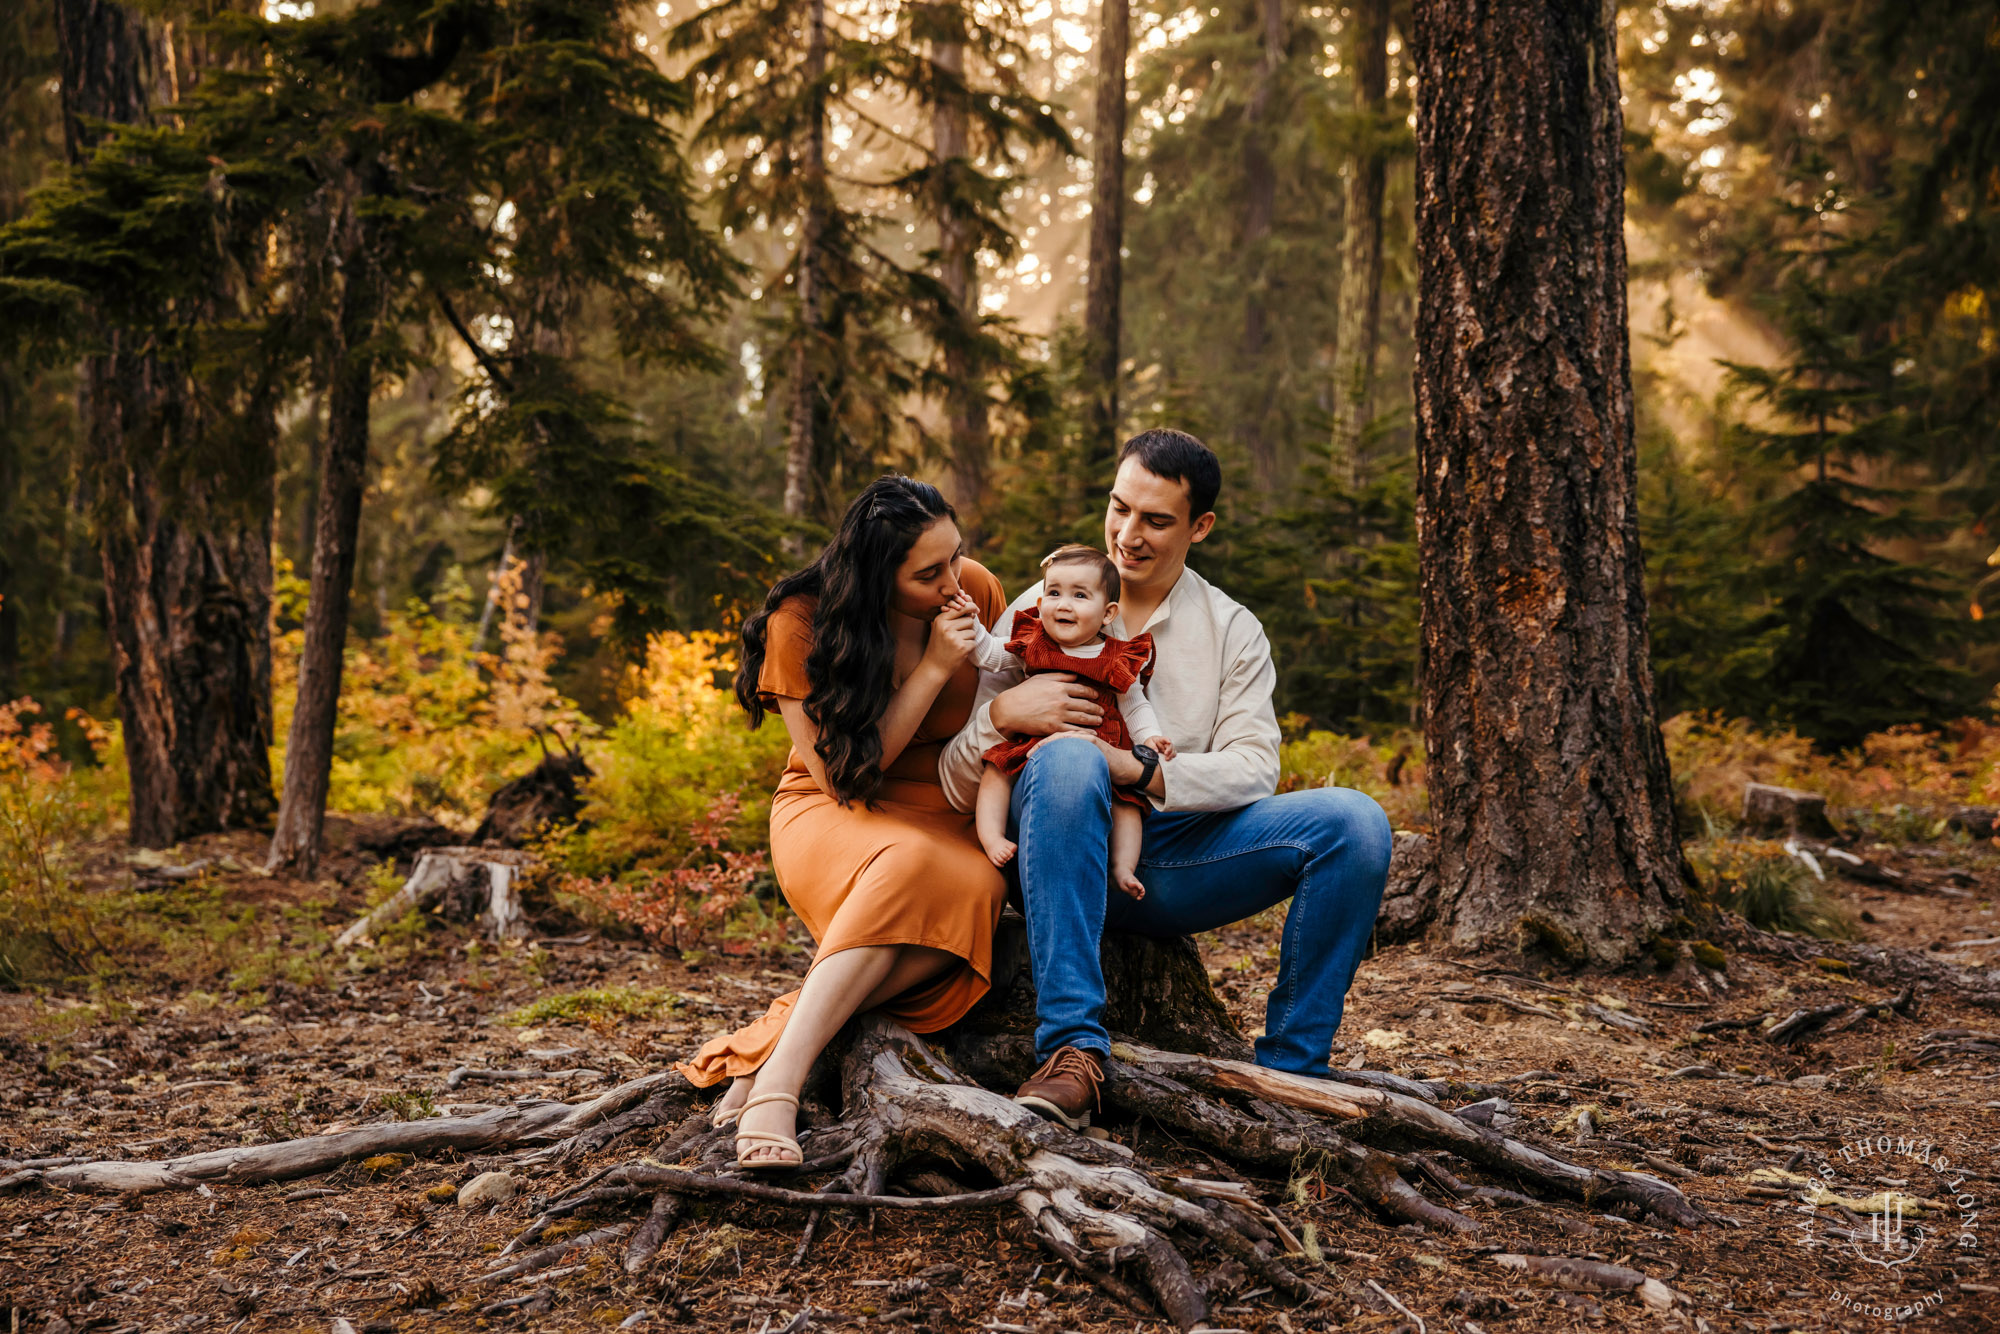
<point x="1046" y="704"/>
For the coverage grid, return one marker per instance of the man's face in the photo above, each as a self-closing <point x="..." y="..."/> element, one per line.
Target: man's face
<point x="1147" y="528"/>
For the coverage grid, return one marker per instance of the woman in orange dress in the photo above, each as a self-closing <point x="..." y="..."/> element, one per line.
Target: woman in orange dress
<point x="866" y="656"/>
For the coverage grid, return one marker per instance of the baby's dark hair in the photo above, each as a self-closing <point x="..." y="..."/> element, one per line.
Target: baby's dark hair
<point x="1076" y="553"/>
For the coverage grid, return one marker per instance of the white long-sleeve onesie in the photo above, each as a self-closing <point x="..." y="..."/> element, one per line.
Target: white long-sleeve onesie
<point x="991" y="656"/>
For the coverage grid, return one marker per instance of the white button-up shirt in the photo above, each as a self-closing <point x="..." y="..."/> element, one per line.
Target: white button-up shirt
<point x="1211" y="687"/>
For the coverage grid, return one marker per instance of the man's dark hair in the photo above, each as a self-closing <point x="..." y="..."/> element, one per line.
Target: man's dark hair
<point x="1178" y="457"/>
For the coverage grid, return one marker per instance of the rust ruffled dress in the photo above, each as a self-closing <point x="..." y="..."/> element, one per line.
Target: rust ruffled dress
<point x="909" y="871"/>
<point x="1119" y="665"/>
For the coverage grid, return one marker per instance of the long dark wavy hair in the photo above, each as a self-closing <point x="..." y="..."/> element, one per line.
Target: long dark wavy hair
<point x="851" y="667"/>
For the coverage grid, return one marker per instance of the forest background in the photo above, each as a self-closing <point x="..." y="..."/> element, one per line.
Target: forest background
<point x="596" y="316"/>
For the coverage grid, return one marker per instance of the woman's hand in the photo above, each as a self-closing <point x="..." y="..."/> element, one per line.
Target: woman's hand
<point x="954" y="634"/>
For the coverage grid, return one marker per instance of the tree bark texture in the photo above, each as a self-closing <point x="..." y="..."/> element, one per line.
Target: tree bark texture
<point x="185" y="544"/>
<point x="1550" y="786"/>
<point x="1260" y="211"/>
<point x="958" y="271"/>
<point x="1358" y="319"/>
<point x="801" y="432"/>
<point x="1156" y="989"/>
<point x="1101" y="320"/>
<point x="336" y="539"/>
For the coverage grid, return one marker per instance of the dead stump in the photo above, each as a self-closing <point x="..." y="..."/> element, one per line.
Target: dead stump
<point x="1786" y="810"/>
<point x="1156" y="991"/>
<point x="467" y="884"/>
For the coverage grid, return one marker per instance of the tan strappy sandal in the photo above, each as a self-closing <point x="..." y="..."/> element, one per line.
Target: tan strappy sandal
<point x="756" y="1137"/>
<point x="720" y="1116"/>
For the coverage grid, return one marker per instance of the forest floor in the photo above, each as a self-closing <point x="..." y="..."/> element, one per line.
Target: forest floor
<point x="232" y="1035"/>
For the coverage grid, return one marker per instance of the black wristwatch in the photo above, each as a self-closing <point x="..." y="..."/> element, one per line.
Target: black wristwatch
<point x="1149" y="757"/>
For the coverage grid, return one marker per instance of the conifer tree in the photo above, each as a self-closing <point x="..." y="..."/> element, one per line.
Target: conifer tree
<point x="1358" y="335"/>
<point x="1103" y="325"/>
<point x="1230" y="334"/>
<point x="986" y="129"/>
<point x="1551" y="790"/>
<point x="781" y="80"/>
<point x="1859" y="640"/>
<point x="35" y="485"/>
<point x="770" y="74"/>
<point x="175" y="446"/>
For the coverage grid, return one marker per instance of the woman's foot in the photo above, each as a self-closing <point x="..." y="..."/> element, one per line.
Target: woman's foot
<point x="766" y="1130"/>
<point x="732" y="1100"/>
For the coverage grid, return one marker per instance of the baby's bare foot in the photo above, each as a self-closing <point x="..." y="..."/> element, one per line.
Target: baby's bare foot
<point x="1001" y="851"/>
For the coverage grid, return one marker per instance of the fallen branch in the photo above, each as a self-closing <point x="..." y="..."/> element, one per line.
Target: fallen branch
<point x="505" y="1128"/>
<point x="550" y="1256"/>
<point x="1593" y="1276"/>
<point x="1804" y="1024"/>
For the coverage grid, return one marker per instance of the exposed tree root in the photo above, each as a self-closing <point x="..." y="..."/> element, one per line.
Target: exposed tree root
<point x="912" y="1129"/>
<point x="908" y="1115"/>
<point x="1888" y="965"/>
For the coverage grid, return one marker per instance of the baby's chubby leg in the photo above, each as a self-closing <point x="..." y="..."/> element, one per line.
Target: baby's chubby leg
<point x="1128" y="832"/>
<point x="989" y="815"/>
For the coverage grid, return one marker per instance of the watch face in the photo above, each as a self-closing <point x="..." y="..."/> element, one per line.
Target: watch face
<point x="1145" y="754"/>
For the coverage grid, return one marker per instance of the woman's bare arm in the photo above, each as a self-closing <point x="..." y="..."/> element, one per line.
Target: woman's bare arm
<point x="952" y="635"/>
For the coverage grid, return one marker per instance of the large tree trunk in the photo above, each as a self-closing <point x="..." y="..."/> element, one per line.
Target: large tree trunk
<point x="1101" y="322"/>
<point x="958" y="271"/>
<point x="1551" y="796"/>
<point x="1358" y="320"/>
<point x="185" y="547"/>
<point x="801" y="432"/>
<point x="336" y="539"/>
<point x="1260" y="210"/>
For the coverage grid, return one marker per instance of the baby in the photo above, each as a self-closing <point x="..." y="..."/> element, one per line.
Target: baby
<point x="1066" y="634"/>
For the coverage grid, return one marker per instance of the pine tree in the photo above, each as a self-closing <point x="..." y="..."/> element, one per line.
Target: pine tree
<point x="174" y="437"/>
<point x="771" y="74"/>
<point x="1831" y="164"/>
<point x="1860" y="640"/>
<point x="35" y="481"/>
<point x="986" y="130"/>
<point x="1229" y="319"/>
<point x="1376" y="137"/>
<point x="781" y="82"/>
<point x="1549" y="782"/>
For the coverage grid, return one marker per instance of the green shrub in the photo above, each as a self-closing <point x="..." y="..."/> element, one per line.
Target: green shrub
<point x="1776" y="892"/>
<point x="594" y="1005"/>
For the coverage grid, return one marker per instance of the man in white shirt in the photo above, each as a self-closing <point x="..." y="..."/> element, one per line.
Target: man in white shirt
<point x="1220" y="845"/>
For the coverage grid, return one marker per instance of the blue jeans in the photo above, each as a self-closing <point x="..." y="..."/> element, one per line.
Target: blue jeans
<point x="1326" y="849"/>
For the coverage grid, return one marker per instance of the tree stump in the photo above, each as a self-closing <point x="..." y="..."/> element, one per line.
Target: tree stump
<point x="470" y="884"/>
<point x="1409" y="899"/>
<point x="549" y="793"/>
<point x="1786" y="810"/>
<point x="1975" y="821"/>
<point x="1156" y="991"/>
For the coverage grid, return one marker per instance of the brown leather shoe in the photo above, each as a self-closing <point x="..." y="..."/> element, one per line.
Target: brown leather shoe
<point x="1065" y="1087"/>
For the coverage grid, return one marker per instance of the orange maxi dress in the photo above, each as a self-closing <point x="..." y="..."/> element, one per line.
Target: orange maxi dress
<point x="909" y="871"/>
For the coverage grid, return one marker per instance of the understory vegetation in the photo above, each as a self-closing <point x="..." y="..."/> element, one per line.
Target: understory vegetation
<point x="669" y="845"/>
